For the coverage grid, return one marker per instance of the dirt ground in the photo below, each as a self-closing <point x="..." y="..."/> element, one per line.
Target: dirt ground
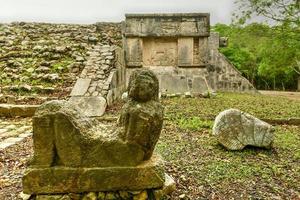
<point x="289" y="95"/>
<point x="201" y="168"/>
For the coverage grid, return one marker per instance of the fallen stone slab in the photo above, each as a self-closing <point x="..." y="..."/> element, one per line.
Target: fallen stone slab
<point x="235" y="130"/>
<point x="10" y="110"/>
<point x="148" y="175"/>
<point x="81" y="87"/>
<point x="90" y="106"/>
<point x="9" y="142"/>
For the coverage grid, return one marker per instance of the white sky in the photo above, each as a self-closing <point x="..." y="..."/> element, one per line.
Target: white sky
<point x="90" y="11"/>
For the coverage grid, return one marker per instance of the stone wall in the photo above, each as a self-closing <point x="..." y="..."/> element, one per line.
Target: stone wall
<point x="166" y="39"/>
<point x="223" y="76"/>
<point x="46" y="59"/>
<point x="182" y="52"/>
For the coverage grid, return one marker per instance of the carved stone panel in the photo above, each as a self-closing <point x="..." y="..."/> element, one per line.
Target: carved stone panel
<point x="185" y="51"/>
<point x="159" y="52"/>
<point x="167" y="25"/>
<point x="203" y="50"/>
<point x="134" y="52"/>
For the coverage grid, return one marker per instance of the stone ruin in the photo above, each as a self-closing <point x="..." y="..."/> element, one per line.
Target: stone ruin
<point x="183" y="53"/>
<point x="178" y="48"/>
<point x="78" y="155"/>
<point x="92" y="64"/>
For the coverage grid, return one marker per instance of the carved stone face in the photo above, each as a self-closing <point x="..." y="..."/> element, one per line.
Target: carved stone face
<point x="143" y="85"/>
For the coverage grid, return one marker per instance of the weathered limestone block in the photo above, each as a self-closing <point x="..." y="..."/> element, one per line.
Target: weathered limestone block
<point x="143" y="194"/>
<point x="185" y="51"/>
<point x="236" y="129"/>
<point x="52" y="180"/>
<point x="75" y="153"/>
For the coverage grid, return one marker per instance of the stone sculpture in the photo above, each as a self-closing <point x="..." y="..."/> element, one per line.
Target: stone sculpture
<point x="236" y="129"/>
<point x="74" y="153"/>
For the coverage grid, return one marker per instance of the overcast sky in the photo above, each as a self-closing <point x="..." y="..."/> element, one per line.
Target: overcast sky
<point x="90" y="11"/>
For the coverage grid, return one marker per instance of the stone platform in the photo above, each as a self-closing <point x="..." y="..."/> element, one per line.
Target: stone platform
<point x="53" y="180"/>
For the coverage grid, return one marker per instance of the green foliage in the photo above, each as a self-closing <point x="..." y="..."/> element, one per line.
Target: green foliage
<point x="281" y="11"/>
<point x="61" y="65"/>
<point x="266" y="55"/>
<point x="196" y="160"/>
<point x="195" y="110"/>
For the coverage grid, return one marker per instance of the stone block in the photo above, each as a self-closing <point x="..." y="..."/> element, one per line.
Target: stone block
<point x="199" y="85"/>
<point x="167" y="25"/>
<point x="185" y="51"/>
<point x="81" y="87"/>
<point x="134" y="52"/>
<point x="90" y="106"/>
<point x="203" y="50"/>
<point x="147" y="175"/>
<point x="159" y="52"/>
<point x="171" y="84"/>
<point x="9" y="110"/>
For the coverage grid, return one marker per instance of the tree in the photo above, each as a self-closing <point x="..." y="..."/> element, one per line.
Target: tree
<point x="281" y="11"/>
<point x="280" y="56"/>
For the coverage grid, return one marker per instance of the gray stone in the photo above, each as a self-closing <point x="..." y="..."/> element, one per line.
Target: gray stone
<point x="173" y="84"/>
<point x="81" y="87"/>
<point x="199" y="85"/>
<point x="90" y="106"/>
<point x="235" y="129"/>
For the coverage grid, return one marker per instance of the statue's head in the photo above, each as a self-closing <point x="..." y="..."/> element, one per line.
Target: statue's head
<point x="143" y="85"/>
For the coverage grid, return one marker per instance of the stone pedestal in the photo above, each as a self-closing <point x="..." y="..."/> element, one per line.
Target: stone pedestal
<point x="147" y="175"/>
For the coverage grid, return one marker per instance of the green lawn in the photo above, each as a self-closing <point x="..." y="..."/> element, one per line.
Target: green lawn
<point x="266" y="107"/>
<point x="203" y="169"/>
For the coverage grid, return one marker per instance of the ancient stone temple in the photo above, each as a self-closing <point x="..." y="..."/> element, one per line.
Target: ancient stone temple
<point x="183" y="53"/>
<point x="78" y="155"/>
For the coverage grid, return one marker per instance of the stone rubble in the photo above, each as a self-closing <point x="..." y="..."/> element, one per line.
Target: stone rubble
<point x="99" y="64"/>
<point x="41" y="54"/>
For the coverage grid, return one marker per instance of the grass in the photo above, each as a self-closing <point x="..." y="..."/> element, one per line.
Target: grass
<point x="62" y="64"/>
<point x="203" y="169"/>
<point x="264" y="107"/>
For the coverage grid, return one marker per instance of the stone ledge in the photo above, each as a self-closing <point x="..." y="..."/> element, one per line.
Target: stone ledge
<point x="154" y="194"/>
<point x="53" y="180"/>
<point x="141" y="15"/>
<point x="10" y="110"/>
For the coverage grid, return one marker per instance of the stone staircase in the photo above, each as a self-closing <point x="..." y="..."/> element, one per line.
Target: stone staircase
<point x="93" y="89"/>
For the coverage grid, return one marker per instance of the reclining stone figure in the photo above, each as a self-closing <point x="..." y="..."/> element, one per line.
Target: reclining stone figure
<point x="74" y="153"/>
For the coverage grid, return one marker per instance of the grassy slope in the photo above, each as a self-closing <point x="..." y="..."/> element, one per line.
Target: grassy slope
<point x="205" y="170"/>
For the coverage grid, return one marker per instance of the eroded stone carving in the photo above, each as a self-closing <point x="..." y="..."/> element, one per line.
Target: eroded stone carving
<point x="235" y="129"/>
<point x="74" y="153"/>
